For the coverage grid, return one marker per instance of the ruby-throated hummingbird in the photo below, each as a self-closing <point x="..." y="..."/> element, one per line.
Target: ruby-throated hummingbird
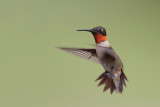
<point x="113" y="77"/>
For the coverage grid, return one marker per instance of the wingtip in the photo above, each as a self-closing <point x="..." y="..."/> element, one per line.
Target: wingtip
<point x="60" y="48"/>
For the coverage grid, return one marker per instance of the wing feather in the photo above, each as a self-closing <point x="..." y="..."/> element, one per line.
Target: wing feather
<point x="89" y="54"/>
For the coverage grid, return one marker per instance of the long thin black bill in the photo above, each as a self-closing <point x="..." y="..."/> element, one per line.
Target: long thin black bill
<point x="84" y="30"/>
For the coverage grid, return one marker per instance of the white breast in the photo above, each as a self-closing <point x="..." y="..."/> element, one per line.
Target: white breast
<point x="105" y="44"/>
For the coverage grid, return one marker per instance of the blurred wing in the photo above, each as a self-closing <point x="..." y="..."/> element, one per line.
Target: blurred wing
<point x="89" y="54"/>
<point x="108" y="55"/>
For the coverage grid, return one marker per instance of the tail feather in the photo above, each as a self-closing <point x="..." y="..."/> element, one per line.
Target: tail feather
<point x="109" y="83"/>
<point x="100" y="77"/>
<point x="120" y="86"/>
<point x="103" y="81"/>
<point x="113" y="87"/>
<point x="123" y="75"/>
<point x="122" y="79"/>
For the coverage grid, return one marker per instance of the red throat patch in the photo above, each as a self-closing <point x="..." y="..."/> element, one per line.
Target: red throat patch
<point x="99" y="38"/>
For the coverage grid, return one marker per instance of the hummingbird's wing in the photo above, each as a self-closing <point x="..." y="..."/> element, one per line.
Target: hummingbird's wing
<point x="89" y="54"/>
<point x="107" y="53"/>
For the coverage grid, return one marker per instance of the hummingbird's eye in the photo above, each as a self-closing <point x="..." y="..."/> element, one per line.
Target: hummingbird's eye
<point x="96" y="31"/>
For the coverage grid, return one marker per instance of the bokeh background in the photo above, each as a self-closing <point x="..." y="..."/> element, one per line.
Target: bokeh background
<point x="34" y="73"/>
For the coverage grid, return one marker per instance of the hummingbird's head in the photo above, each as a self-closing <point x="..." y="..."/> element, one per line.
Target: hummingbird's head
<point x="99" y="33"/>
<point x="98" y="30"/>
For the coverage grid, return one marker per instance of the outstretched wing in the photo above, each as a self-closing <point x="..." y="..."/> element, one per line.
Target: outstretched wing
<point x="89" y="54"/>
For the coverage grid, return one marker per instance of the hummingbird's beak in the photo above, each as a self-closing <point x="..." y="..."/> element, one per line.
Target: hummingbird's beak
<point x="88" y="30"/>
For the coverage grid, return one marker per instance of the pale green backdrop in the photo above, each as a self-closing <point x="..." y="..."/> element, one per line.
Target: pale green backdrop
<point x="33" y="73"/>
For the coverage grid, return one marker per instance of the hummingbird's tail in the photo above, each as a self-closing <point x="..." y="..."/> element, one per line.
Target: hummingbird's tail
<point x="115" y="83"/>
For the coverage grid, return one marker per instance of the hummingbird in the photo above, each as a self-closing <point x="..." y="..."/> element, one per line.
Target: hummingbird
<point x="113" y="77"/>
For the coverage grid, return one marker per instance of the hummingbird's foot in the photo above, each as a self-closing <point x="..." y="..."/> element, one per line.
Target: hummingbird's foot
<point x="108" y="74"/>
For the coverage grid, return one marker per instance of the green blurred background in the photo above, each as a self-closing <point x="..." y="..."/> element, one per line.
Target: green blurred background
<point x="33" y="73"/>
